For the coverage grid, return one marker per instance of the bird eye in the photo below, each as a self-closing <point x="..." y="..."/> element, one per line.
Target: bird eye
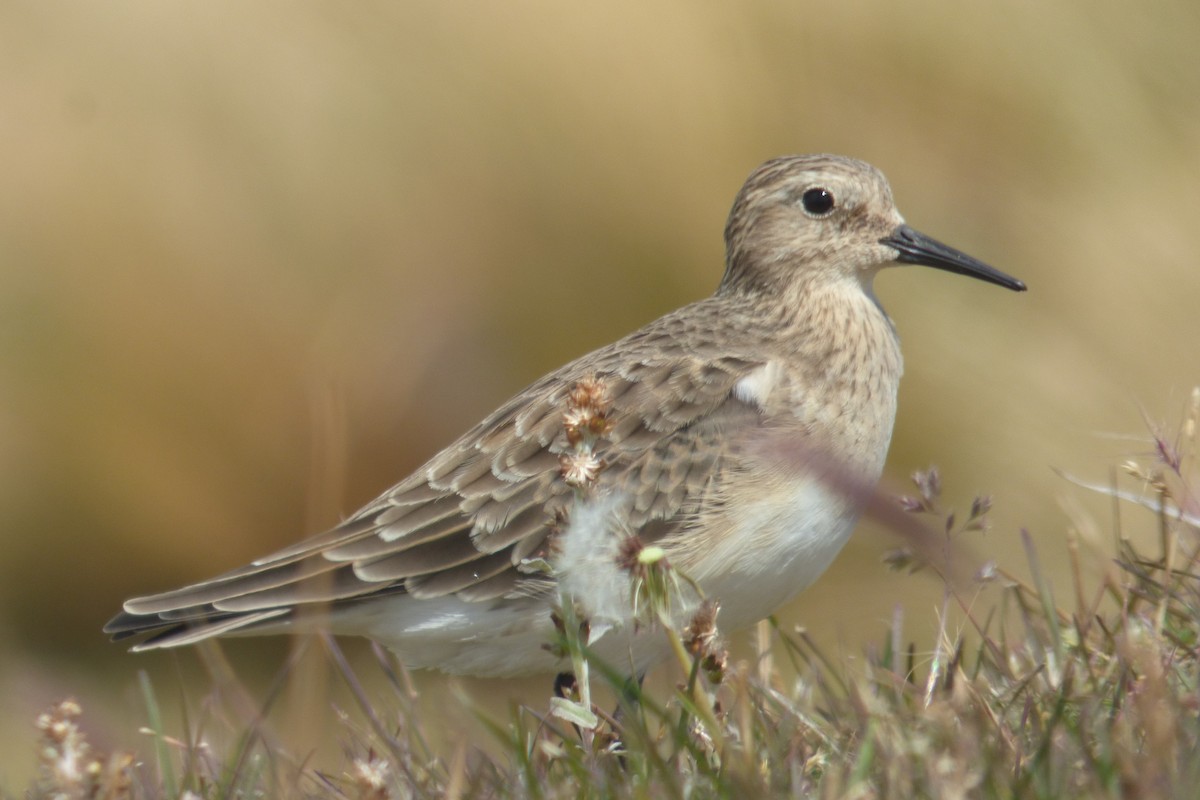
<point x="818" y="202"/>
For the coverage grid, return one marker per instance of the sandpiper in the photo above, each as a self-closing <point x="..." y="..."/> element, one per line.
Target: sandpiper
<point x="733" y="433"/>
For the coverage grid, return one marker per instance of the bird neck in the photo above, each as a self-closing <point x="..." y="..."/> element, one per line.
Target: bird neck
<point x="840" y="329"/>
<point x="840" y="367"/>
<point x="836" y="312"/>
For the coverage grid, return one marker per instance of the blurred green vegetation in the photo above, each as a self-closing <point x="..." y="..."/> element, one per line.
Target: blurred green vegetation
<point x="258" y="261"/>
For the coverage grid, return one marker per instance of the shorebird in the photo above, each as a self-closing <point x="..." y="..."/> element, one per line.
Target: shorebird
<point x="735" y="434"/>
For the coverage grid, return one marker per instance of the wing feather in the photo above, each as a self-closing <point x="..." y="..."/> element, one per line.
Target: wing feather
<point x="328" y="587"/>
<point x="463" y="522"/>
<point x="201" y="594"/>
<point x="419" y="560"/>
<point x="499" y="585"/>
<point x="463" y="576"/>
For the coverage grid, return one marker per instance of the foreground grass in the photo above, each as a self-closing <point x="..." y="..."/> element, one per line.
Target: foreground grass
<point x="1034" y="700"/>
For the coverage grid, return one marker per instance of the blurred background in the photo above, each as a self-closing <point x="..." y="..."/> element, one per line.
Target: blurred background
<point x="259" y="261"/>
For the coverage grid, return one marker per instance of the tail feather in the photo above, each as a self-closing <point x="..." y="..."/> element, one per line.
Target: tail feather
<point x="175" y="627"/>
<point x="194" y="628"/>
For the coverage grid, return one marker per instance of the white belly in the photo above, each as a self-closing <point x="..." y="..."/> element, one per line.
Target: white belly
<point x="773" y="547"/>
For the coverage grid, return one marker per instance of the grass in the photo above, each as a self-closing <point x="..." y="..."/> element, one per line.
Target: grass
<point x="1035" y="699"/>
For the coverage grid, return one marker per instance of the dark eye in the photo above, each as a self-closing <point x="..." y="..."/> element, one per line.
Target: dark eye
<point x="817" y="202"/>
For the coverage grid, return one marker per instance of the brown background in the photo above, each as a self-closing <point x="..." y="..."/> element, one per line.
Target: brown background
<point x="259" y="260"/>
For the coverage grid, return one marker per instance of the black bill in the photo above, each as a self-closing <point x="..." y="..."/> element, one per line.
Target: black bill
<point x="915" y="247"/>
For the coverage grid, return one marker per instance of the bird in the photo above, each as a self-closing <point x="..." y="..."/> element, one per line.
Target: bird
<point x="736" y="436"/>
